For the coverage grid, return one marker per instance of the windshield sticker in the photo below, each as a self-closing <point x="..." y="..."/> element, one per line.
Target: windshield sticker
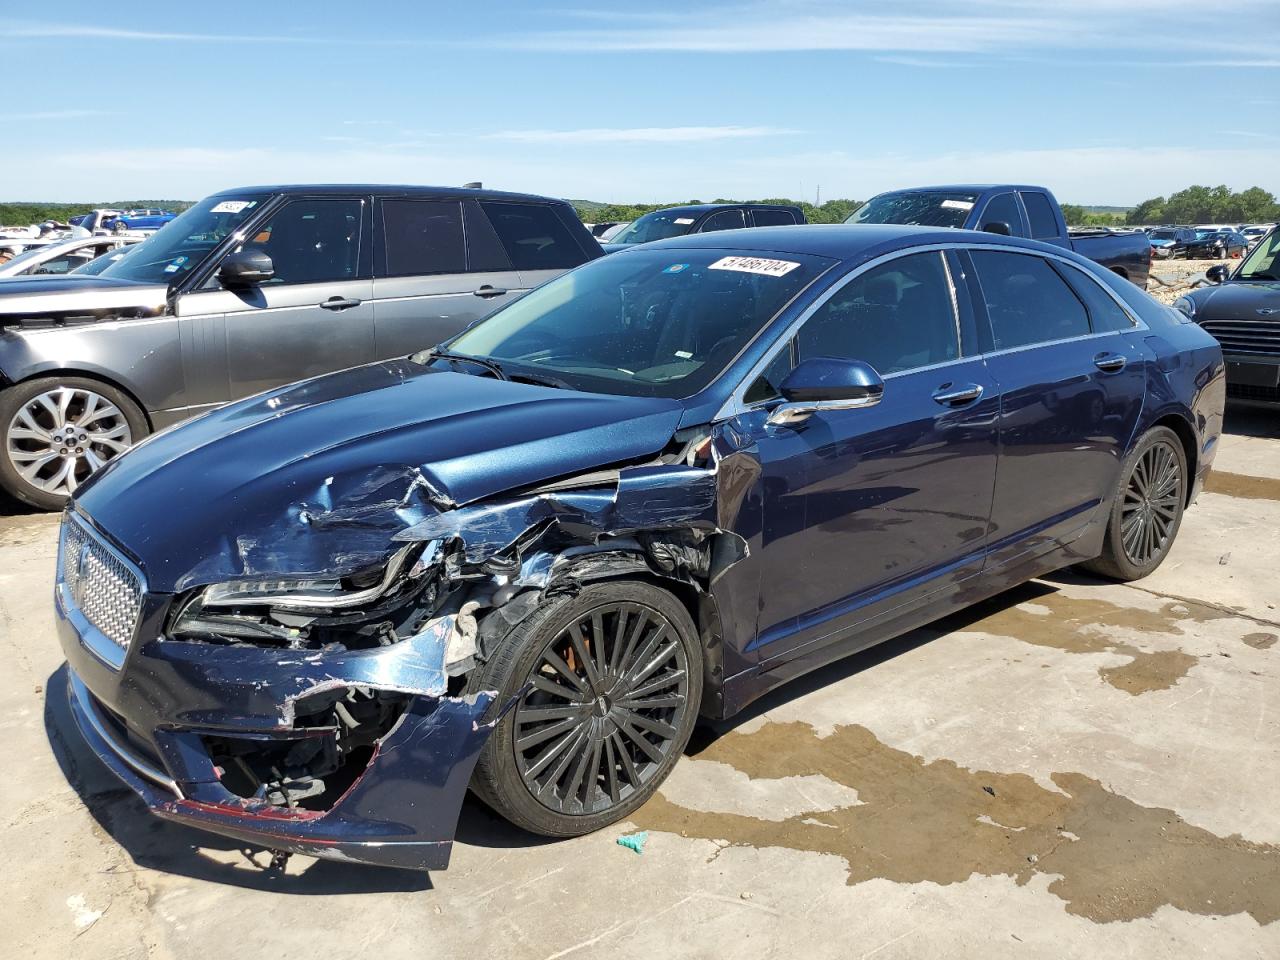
<point x="957" y="205"/>
<point x="768" y="268"/>
<point x="684" y="220"/>
<point x="676" y="268"/>
<point x="233" y="206"/>
<point x="176" y="265"/>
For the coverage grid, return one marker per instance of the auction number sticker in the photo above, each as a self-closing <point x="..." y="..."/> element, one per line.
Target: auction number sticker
<point x="768" y="268"/>
<point x="683" y="221"/>
<point x="957" y="205"/>
<point x="233" y="206"/>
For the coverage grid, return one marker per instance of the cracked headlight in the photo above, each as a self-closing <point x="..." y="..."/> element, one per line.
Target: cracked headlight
<point x="308" y="593"/>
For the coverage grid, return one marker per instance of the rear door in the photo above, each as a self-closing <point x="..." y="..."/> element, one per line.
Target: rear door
<point x="438" y="268"/>
<point x="1072" y="375"/>
<point x="314" y="316"/>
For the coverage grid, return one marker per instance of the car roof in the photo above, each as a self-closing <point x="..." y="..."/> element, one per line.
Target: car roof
<point x="847" y="242"/>
<point x="704" y="207"/>
<point x="969" y="188"/>
<point x="385" y="189"/>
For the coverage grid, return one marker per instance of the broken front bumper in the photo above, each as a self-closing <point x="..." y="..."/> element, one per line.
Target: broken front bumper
<point x="149" y="719"/>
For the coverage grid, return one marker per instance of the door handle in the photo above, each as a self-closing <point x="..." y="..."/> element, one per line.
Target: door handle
<point x="339" y="303"/>
<point x="1110" y="362"/>
<point x="950" y="396"/>
<point x="487" y="291"/>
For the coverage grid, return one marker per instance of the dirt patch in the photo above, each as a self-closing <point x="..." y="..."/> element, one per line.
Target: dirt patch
<point x="1260" y="641"/>
<point x="1086" y="626"/>
<point x="941" y="823"/>
<point x="1241" y="485"/>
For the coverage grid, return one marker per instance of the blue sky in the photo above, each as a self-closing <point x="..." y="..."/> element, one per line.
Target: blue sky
<point x="1105" y="101"/>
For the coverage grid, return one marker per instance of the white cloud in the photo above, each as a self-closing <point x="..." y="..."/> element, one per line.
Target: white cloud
<point x="25" y="29"/>
<point x="636" y="134"/>
<point x="53" y="115"/>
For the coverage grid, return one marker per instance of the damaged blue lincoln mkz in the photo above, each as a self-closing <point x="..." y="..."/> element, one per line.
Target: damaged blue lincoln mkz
<point x="526" y="560"/>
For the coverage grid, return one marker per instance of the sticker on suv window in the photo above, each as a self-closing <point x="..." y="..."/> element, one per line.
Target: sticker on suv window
<point x="232" y="206"/>
<point x="957" y="205"/>
<point x="769" y="268"/>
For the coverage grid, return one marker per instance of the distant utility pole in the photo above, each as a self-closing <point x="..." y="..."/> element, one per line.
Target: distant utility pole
<point x="817" y="197"/>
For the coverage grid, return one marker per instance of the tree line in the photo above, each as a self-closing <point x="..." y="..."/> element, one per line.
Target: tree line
<point x="1197" y="204"/>
<point x="22" y="214"/>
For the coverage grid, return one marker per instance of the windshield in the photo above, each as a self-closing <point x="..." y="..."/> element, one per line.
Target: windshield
<point x="184" y="242"/>
<point x="35" y="253"/>
<point x="96" y="266"/>
<point x="658" y="225"/>
<point x="1264" y="262"/>
<point x="1163" y="234"/>
<point x="923" y="208"/>
<point x="661" y="323"/>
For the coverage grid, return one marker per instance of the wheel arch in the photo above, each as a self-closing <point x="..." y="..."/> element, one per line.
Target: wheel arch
<point x="1180" y="424"/>
<point x="46" y="371"/>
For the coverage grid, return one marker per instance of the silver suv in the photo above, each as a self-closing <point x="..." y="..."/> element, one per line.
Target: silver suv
<point x="247" y="290"/>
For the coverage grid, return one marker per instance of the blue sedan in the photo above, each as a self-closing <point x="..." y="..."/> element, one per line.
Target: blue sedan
<point x="525" y="561"/>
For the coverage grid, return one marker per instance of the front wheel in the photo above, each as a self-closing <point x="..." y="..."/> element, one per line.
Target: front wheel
<point x="1147" y="509"/>
<point x="611" y="680"/>
<point x="57" y="431"/>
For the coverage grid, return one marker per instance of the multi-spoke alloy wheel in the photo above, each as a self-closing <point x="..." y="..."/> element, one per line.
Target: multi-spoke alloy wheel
<point x="602" y="710"/>
<point x="59" y="437"/>
<point x="1152" y="503"/>
<point x="607" y="685"/>
<point x="1146" y="510"/>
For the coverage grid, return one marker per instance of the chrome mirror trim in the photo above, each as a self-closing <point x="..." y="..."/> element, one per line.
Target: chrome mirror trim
<point x="787" y="414"/>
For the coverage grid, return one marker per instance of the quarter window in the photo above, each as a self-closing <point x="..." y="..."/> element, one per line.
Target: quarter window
<point x="1044" y="223"/>
<point x="1003" y="208"/>
<point x="1026" y="300"/>
<point x="1105" y="315"/>
<point x="897" y="316"/>
<point x="423" y="237"/>
<point x="723" y="220"/>
<point x="533" y="236"/>
<point x="312" y="241"/>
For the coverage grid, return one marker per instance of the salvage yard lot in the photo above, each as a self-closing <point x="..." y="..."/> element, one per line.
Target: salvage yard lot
<point x="1071" y="769"/>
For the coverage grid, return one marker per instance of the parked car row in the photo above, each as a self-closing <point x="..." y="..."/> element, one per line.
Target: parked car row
<point x="1203" y="243"/>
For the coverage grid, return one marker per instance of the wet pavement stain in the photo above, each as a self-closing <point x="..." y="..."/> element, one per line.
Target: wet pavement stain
<point x="938" y="822"/>
<point x="1079" y="625"/>
<point x="1243" y="485"/>
<point x="1260" y="641"/>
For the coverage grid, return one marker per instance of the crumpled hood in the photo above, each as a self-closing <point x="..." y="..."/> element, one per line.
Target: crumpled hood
<point x="317" y="477"/>
<point x="76" y="296"/>
<point x="1237" y="301"/>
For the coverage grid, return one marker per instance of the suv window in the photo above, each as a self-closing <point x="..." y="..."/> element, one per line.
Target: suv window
<point x="533" y="236"/>
<point x="723" y="220"/>
<point x="1105" y="314"/>
<point x="1040" y="212"/>
<point x="897" y="316"/>
<point x="312" y="241"/>
<point x="423" y="236"/>
<point x="773" y="218"/>
<point x="1026" y="300"/>
<point x="1003" y="208"/>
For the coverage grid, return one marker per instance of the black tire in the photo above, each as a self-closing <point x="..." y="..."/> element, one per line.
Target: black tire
<point x="576" y="802"/>
<point x="110" y="426"/>
<point x="1143" y="523"/>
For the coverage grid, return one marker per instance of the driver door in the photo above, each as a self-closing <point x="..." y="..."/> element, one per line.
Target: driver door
<point x="315" y="315"/>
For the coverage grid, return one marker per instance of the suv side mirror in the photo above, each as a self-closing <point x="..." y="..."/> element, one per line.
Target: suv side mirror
<point x="824" y="383"/>
<point x="998" y="226"/>
<point x="1217" y="273"/>
<point x="245" y="268"/>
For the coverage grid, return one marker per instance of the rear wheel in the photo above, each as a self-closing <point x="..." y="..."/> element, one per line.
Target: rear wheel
<point x="1147" y="509"/>
<point x="613" y="678"/>
<point x="59" y="430"/>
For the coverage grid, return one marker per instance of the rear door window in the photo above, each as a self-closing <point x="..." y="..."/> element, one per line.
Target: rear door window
<point x="423" y="237"/>
<point x="1044" y="223"/>
<point x="533" y="237"/>
<point x="1003" y="208"/>
<point x="723" y="220"/>
<point x="1026" y="299"/>
<point x="773" y="218"/>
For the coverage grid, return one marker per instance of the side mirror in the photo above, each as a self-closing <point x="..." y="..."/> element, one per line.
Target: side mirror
<point x="246" y="268"/>
<point x="1217" y="273"/>
<point x="824" y="383"/>
<point x="998" y="226"/>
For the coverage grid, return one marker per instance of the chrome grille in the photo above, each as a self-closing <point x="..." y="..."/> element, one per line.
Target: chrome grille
<point x="1246" y="336"/>
<point x="102" y="585"/>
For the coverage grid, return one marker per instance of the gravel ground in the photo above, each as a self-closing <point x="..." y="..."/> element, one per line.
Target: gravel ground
<point x="1180" y="275"/>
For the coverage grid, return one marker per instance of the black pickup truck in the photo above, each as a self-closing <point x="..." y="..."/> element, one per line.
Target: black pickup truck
<point x="1013" y="210"/>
